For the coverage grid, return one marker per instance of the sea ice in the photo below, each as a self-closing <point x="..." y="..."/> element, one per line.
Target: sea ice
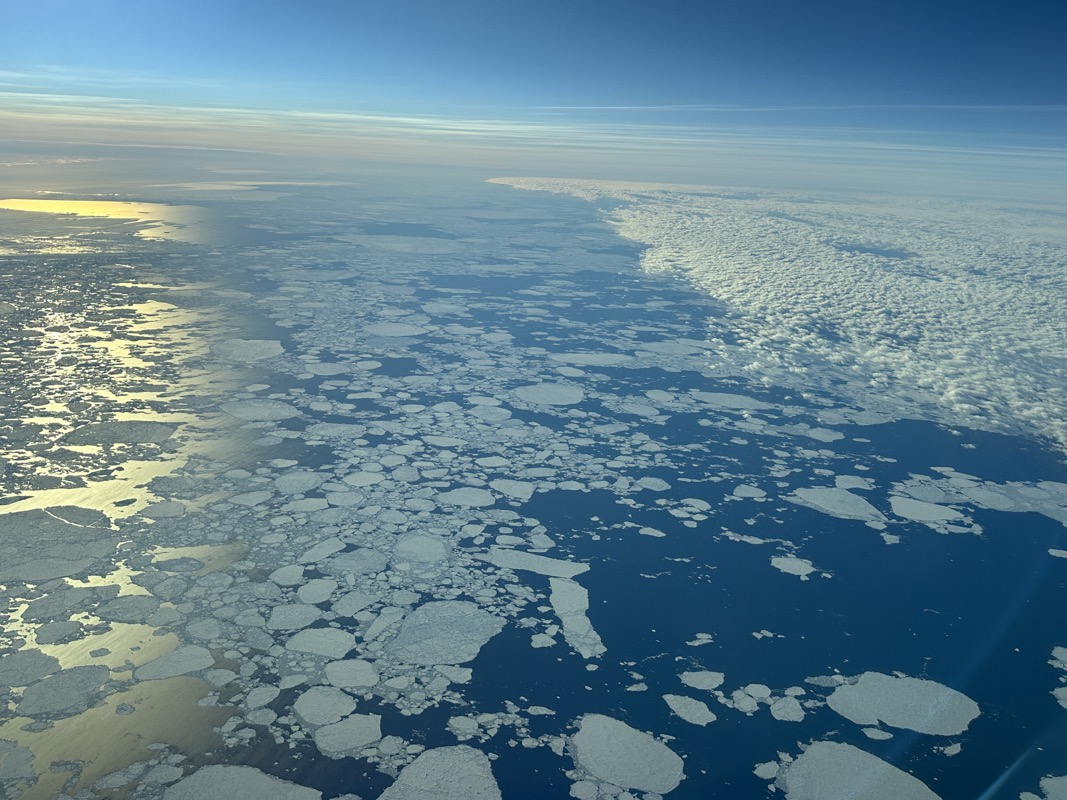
<point x="693" y="711"/>
<point x="1053" y="788"/>
<point x="839" y="503"/>
<point x="183" y="660"/>
<point x="63" y="691"/>
<point x="550" y="394"/>
<point x="260" y="410"/>
<point x="57" y="542"/>
<point x="787" y="709"/>
<point x="468" y="496"/>
<point x="222" y="782"/>
<point x="328" y="642"/>
<point x="125" y="431"/>
<point x="298" y="481"/>
<point x="570" y="601"/>
<point x="25" y="667"/>
<point x="351" y="673"/>
<point x="616" y="753"/>
<point x="791" y="565"/>
<point x="323" y="705"/>
<point x="831" y="771"/>
<point x="394" y="329"/>
<point x="446" y="773"/>
<point x="349" y="736"/>
<point x="921" y="511"/>
<point x="532" y="562"/>
<point x="703" y="679"/>
<point x="292" y="617"/>
<point x="420" y="548"/>
<point x="518" y="490"/>
<point x="444" y="632"/>
<point x="902" y="702"/>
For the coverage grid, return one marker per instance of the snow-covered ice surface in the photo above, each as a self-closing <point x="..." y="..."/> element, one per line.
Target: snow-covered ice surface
<point x="446" y="490"/>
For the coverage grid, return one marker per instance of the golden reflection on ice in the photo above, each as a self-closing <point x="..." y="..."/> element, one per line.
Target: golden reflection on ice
<point x="177" y="223"/>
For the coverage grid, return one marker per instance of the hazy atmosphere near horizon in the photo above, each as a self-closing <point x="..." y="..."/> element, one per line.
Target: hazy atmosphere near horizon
<point x="493" y="400"/>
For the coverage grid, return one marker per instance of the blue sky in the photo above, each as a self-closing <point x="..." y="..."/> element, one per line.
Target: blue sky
<point x="902" y="70"/>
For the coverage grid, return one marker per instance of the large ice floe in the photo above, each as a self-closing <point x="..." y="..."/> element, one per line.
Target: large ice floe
<point x="833" y="770"/>
<point x="903" y="702"/>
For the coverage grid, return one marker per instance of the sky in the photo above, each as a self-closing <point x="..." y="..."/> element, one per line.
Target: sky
<point x="512" y="74"/>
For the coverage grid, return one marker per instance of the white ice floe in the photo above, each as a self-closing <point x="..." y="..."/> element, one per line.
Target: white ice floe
<point x="349" y="736"/>
<point x="591" y="359"/>
<point x="612" y="751"/>
<point x="182" y="661"/>
<point x="420" y="548"/>
<point x="125" y="431"/>
<point x="236" y="783"/>
<point x="550" y="394"/>
<point x="570" y="601"/>
<point x="831" y="771"/>
<point x="787" y="709"/>
<point x="689" y="709"/>
<point x="299" y="481"/>
<point x="921" y="511"/>
<point x="394" y="329"/>
<point x="329" y="642"/>
<point x="260" y="410"/>
<point x="517" y="490"/>
<point x="446" y="773"/>
<point x="532" y="562"/>
<point x="703" y="679"/>
<point x="62" y="693"/>
<point x="903" y="702"/>
<point x="444" y="632"/>
<point x="838" y="503"/>
<point x="1059" y="661"/>
<point x="352" y="673"/>
<point x="25" y="667"/>
<point x="468" y="496"/>
<point x="323" y="705"/>
<point x="1052" y="788"/>
<point x="791" y="565"/>
<point x="57" y="542"/>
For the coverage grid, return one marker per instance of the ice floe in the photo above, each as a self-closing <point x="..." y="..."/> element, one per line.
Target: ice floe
<point x="902" y="702"/>
<point x="444" y="632"/>
<point x="223" y="782"/>
<point x="446" y="773"/>
<point x="551" y="394"/>
<point x="612" y="751"/>
<point x="689" y="709"/>
<point x="832" y="770"/>
<point x="570" y="601"/>
<point x="838" y="502"/>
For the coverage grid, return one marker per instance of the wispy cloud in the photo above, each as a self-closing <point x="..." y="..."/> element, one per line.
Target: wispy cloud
<point x="1038" y="107"/>
<point x="636" y="149"/>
